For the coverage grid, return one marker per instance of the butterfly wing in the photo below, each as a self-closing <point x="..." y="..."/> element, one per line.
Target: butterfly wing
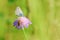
<point x="18" y="11"/>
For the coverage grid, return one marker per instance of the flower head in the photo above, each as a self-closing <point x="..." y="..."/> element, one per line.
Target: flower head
<point x="22" y="22"/>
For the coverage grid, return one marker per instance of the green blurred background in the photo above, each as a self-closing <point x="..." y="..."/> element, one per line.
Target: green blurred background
<point x="44" y="14"/>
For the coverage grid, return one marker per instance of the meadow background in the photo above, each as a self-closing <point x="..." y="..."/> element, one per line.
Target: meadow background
<point x="44" y="14"/>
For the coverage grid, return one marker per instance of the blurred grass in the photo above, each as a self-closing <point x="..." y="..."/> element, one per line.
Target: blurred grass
<point x="44" y="14"/>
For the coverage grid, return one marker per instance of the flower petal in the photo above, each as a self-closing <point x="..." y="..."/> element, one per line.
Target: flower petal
<point x="18" y="27"/>
<point x="26" y="25"/>
<point x="15" y="23"/>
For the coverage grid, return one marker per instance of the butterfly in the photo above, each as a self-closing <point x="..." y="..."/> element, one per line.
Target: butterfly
<point x="18" y="12"/>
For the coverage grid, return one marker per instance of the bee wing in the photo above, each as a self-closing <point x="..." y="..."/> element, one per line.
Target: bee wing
<point x="18" y="11"/>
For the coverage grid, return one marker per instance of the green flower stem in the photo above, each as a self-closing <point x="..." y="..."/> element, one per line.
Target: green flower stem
<point x="25" y="34"/>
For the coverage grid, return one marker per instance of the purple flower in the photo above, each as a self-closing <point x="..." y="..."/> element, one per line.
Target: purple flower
<point x="22" y="22"/>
